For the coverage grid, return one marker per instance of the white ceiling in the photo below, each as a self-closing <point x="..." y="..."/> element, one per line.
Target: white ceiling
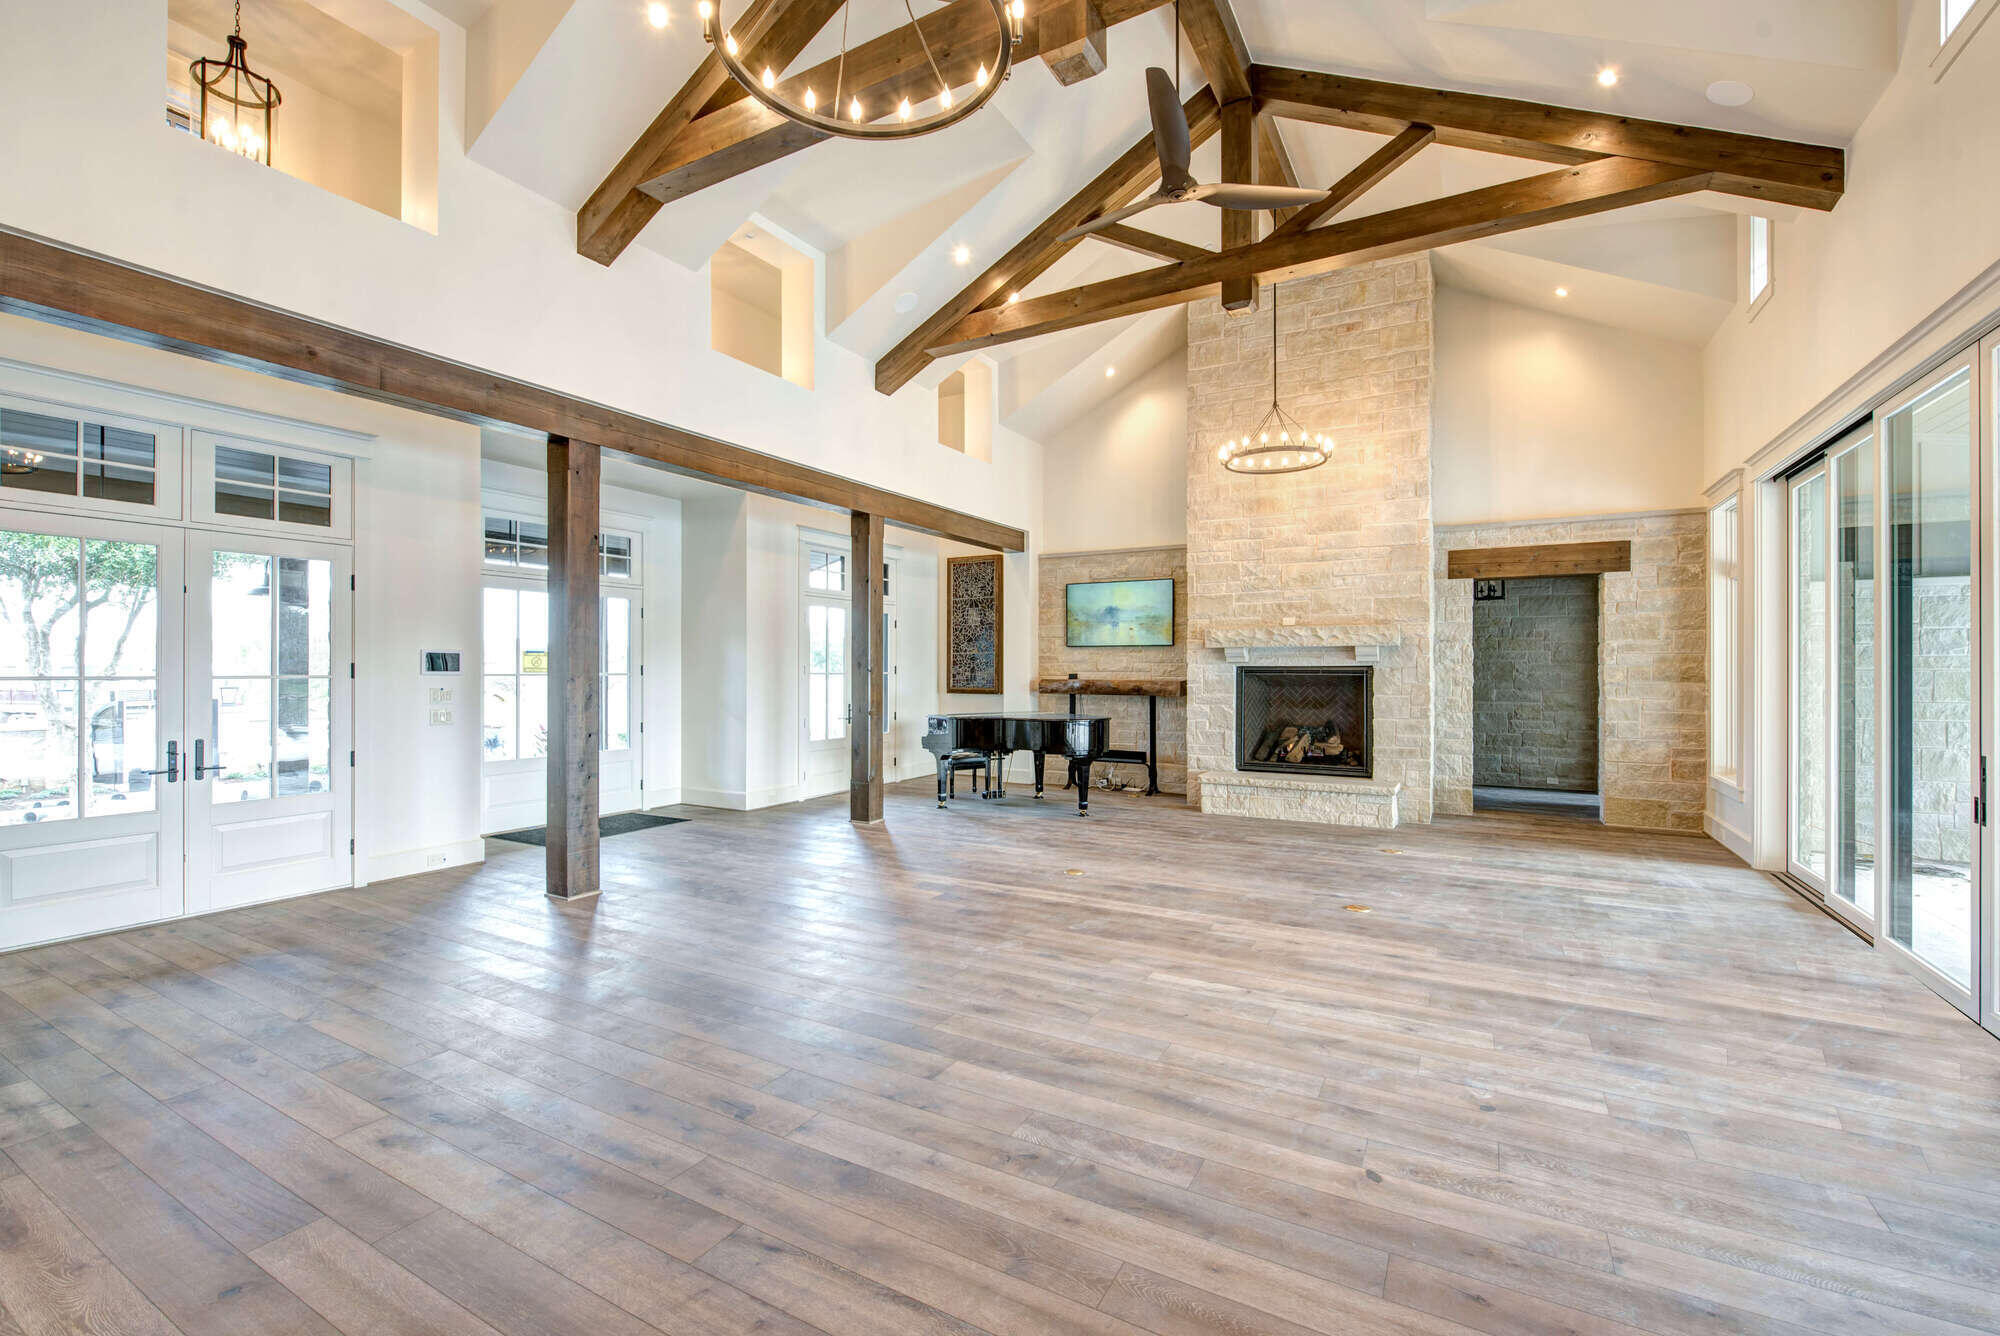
<point x="889" y="216"/>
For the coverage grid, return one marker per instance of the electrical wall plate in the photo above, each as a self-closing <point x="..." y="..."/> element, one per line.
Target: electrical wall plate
<point x="444" y="661"/>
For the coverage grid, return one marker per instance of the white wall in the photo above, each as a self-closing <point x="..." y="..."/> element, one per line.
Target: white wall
<point x="1540" y="416"/>
<point x="417" y="566"/>
<point x="499" y="286"/>
<point x="1920" y="221"/>
<point x="1117" y="477"/>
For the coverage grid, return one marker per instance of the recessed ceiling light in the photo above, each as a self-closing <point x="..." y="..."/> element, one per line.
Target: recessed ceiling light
<point x="1608" y="77"/>
<point x="1730" y="93"/>
<point x="961" y="254"/>
<point x="1110" y="371"/>
<point x="1013" y="297"/>
<point x="907" y="302"/>
<point x="656" y="14"/>
<point x="1562" y="292"/>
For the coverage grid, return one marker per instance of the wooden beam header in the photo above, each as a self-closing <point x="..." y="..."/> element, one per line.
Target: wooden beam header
<point x="1525" y="563"/>
<point x="50" y="282"/>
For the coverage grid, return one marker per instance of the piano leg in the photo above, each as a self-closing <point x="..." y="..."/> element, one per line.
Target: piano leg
<point x="1080" y="771"/>
<point x="1040" y="757"/>
<point x="944" y="776"/>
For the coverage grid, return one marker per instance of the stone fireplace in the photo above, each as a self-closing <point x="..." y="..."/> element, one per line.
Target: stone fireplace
<point x="1304" y="721"/>
<point x="1327" y="570"/>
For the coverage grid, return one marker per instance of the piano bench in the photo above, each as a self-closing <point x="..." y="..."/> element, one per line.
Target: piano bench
<point x="968" y="760"/>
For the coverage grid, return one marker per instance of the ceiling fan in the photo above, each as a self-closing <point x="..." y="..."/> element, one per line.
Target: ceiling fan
<point x="1177" y="184"/>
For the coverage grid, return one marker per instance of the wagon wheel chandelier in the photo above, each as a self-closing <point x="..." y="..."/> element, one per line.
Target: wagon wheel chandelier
<point x="231" y="83"/>
<point x="1278" y="444"/>
<point x="847" y="113"/>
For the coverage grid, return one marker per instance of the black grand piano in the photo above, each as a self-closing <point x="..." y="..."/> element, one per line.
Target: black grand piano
<point x="1078" y="739"/>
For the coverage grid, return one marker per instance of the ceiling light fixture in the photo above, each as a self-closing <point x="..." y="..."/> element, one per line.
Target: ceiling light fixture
<point x="1730" y="93"/>
<point x="230" y="82"/>
<point x="1110" y="371"/>
<point x="1562" y="292"/>
<point x="961" y="254"/>
<point x="1278" y="444"/>
<point x="900" y="120"/>
<point x="656" y="14"/>
<point x="1608" y="77"/>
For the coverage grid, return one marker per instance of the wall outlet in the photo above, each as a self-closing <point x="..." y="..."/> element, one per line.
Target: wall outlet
<point x="436" y="859"/>
<point x="440" y="717"/>
<point x="440" y="695"/>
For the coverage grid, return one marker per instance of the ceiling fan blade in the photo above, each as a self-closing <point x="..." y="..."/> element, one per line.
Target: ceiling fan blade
<point x="1116" y="215"/>
<point x="1229" y="196"/>
<point x="1170" y="129"/>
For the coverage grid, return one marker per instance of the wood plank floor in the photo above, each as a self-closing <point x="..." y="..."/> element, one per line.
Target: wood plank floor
<point x="1000" y="1070"/>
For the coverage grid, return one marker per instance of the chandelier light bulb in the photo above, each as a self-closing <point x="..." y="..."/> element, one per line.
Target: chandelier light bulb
<point x="903" y="111"/>
<point x="1264" y="438"/>
<point x="656" y="14"/>
<point x="980" y="78"/>
<point x="854" y="109"/>
<point x="812" y="100"/>
<point x="729" y="40"/>
<point x="944" y="98"/>
<point x="770" y="80"/>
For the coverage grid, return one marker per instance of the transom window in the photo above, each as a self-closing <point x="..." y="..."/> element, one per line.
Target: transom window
<point x="254" y="485"/>
<point x="1759" y="261"/>
<point x="72" y="457"/>
<point x="524" y="545"/>
<point x="1954" y="13"/>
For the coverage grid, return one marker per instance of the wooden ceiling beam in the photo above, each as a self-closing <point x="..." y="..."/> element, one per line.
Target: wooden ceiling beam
<point x="1570" y="192"/>
<point x="1806" y="175"/>
<point x="745" y="135"/>
<point x="1116" y="186"/>
<point x="1152" y="244"/>
<point x="772" y="30"/>
<point x="45" y="281"/>
<point x="1365" y="177"/>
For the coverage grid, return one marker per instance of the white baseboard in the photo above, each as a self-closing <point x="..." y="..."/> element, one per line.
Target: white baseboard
<point x="409" y="862"/>
<point x="730" y="800"/>
<point x="662" y="798"/>
<point x="1727" y="836"/>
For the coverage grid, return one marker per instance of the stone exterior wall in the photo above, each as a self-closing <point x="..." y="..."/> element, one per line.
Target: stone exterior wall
<point x="1053" y="658"/>
<point x="1347" y="542"/>
<point x="1653" y="666"/>
<point x="1534" y="685"/>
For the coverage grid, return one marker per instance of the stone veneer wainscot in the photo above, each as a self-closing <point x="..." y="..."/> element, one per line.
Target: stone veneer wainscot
<point x="1347" y="543"/>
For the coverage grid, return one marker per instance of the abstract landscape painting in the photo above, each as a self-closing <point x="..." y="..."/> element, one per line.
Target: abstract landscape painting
<point x="1120" y="613"/>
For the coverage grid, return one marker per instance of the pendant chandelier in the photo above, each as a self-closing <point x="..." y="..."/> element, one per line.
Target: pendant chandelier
<point x="1278" y="444"/>
<point x="837" y="109"/>
<point x="240" y="117"/>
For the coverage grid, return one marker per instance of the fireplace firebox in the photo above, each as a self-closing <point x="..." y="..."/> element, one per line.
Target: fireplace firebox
<point x="1306" y="721"/>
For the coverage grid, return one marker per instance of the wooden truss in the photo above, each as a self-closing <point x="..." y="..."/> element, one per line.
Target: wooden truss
<point x="712" y="131"/>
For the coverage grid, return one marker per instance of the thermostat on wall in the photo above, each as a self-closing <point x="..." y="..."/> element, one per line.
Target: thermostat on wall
<point x="441" y="661"/>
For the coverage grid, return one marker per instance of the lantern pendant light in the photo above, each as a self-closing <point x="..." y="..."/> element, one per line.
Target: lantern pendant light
<point x="234" y="103"/>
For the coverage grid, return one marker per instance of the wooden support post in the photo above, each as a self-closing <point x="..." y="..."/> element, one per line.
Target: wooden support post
<point x="1239" y="226"/>
<point x="1072" y="33"/>
<point x="574" y="470"/>
<point x="864" y="663"/>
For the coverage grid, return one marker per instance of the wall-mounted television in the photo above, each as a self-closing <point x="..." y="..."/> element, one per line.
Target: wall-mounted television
<point x="1118" y="614"/>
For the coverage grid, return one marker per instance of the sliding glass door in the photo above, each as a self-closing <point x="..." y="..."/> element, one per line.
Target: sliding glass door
<point x="1810" y="786"/>
<point x="1851" y="883"/>
<point x="1932" y="757"/>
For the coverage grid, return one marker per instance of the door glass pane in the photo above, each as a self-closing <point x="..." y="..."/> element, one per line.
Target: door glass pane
<point x="498" y="656"/>
<point x="617" y="635"/>
<point x="38" y="752"/>
<point x="1809" y="676"/>
<point x="124" y="739"/>
<point x="304" y="737"/>
<point x="617" y="725"/>
<point x="304" y="616"/>
<point x="534" y="632"/>
<point x="534" y="717"/>
<point x="240" y="614"/>
<point x="1854" y="676"/>
<point x="122" y="611"/>
<point x="241" y="729"/>
<point x="40" y="591"/>
<point x="1928" y="447"/>
<point x="497" y="715"/>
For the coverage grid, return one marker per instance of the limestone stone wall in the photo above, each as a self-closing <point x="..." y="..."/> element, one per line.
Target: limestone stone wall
<point x="1534" y="685"/>
<point x="1054" y="658"/>
<point x="1652" y="655"/>
<point x="1349" y="541"/>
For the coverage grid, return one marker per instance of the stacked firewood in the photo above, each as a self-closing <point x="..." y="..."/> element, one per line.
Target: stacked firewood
<point x="1295" y="745"/>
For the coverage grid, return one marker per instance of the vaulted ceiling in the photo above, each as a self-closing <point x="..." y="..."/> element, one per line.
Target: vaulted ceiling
<point x="559" y="92"/>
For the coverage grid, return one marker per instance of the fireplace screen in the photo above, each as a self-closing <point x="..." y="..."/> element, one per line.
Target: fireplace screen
<point x="1308" y="721"/>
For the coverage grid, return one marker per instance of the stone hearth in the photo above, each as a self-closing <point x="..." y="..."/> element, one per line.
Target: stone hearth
<point x="1330" y="567"/>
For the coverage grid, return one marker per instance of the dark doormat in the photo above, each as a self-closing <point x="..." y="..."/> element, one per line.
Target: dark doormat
<point x="622" y="824"/>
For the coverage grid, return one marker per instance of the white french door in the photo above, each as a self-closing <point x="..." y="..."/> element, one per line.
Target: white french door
<point x="175" y="722"/>
<point x="826" y="718"/>
<point x="268" y="719"/>
<point x="92" y="803"/>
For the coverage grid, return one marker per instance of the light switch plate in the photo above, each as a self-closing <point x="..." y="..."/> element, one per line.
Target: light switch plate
<point x="440" y="717"/>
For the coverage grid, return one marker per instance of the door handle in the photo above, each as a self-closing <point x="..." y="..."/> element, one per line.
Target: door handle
<point x="198" y="770"/>
<point x="173" y="770"/>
